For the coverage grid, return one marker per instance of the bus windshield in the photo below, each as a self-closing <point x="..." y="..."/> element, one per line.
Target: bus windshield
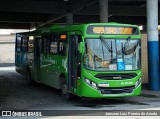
<point x="112" y="54"/>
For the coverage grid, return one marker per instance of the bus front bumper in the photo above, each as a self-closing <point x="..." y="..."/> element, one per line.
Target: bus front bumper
<point x="88" y="91"/>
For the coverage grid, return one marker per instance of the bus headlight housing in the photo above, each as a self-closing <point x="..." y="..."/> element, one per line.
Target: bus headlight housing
<point x="91" y="83"/>
<point x="138" y="82"/>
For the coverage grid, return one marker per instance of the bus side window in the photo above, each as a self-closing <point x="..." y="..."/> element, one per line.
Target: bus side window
<point x="24" y="44"/>
<point x="53" y="44"/>
<point x="62" y="44"/>
<point x="53" y="47"/>
<point x="19" y="43"/>
<point x="45" y="43"/>
<point x="62" y="47"/>
<point x="31" y="44"/>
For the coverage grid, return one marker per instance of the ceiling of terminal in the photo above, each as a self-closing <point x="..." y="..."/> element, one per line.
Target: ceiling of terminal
<point x="27" y="14"/>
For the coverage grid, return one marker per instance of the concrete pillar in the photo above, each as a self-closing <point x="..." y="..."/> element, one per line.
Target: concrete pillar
<point x="103" y="5"/>
<point x="153" y="44"/>
<point x="69" y="18"/>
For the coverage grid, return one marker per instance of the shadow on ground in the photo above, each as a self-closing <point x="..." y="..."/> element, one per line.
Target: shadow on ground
<point x="16" y="93"/>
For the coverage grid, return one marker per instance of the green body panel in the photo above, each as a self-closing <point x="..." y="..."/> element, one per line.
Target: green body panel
<point x="54" y="66"/>
<point x="51" y="69"/>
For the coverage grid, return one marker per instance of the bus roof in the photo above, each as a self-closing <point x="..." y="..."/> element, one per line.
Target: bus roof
<point x="81" y="27"/>
<point x="35" y="32"/>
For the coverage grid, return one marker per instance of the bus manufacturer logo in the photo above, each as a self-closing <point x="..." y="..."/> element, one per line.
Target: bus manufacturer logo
<point x="117" y="77"/>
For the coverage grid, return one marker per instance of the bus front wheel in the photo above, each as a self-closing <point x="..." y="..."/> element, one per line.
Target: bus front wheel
<point x="64" y="90"/>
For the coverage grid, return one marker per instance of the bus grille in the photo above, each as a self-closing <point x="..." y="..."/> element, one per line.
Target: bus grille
<point x="119" y="90"/>
<point x="116" y="76"/>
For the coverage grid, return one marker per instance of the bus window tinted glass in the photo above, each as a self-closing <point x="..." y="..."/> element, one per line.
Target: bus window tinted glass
<point x="18" y="44"/>
<point x="24" y="44"/>
<point x="53" y="47"/>
<point x="54" y="44"/>
<point x="44" y="44"/>
<point x="62" y="47"/>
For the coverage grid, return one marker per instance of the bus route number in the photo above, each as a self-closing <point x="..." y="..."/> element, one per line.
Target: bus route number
<point x="112" y="30"/>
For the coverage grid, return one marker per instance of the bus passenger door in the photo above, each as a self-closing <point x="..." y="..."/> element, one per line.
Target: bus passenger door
<point x="72" y="62"/>
<point x="37" y="52"/>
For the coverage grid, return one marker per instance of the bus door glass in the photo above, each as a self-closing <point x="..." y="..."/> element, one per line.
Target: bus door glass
<point x="24" y="50"/>
<point x="18" y="50"/>
<point x="30" y="54"/>
<point x="73" y="61"/>
<point x="52" y="50"/>
<point x="44" y="58"/>
<point x="37" y="53"/>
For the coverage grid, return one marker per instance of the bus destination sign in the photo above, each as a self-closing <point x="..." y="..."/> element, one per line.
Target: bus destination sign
<point x="112" y="30"/>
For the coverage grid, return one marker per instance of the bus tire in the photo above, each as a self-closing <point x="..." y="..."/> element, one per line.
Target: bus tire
<point x="64" y="90"/>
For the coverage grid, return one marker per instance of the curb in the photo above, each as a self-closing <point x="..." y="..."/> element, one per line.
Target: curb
<point x="150" y="95"/>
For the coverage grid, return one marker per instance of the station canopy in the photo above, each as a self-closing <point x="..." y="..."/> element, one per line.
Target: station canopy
<point x="27" y="14"/>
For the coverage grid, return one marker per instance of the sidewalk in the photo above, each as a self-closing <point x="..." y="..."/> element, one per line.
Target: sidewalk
<point x="152" y="94"/>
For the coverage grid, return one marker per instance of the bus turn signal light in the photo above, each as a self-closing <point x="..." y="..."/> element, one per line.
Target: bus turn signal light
<point x="63" y="37"/>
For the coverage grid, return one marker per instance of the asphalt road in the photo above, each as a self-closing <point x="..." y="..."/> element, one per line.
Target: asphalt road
<point x="16" y="94"/>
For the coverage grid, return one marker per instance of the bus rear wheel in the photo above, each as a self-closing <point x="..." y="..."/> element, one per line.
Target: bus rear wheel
<point x="64" y="90"/>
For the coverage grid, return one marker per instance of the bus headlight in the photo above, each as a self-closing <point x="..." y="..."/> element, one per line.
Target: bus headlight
<point x="138" y="82"/>
<point x="91" y="83"/>
<point x="88" y="81"/>
<point x="94" y="85"/>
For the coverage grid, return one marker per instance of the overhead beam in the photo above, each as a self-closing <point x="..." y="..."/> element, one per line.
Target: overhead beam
<point x="139" y="20"/>
<point x="79" y="19"/>
<point x="14" y="25"/>
<point x="18" y="17"/>
<point x="54" y="11"/>
<point x="34" y="6"/>
<point x="124" y="10"/>
<point x="78" y="5"/>
<point x="52" y="20"/>
<point x="72" y="7"/>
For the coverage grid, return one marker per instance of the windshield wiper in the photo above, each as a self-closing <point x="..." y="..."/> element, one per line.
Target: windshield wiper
<point x="128" y="38"/>
<point x="105" y="43"/>
<point x="129" y="48"/>
<point x="109" y="48"/>
<point x="126" y="45"/>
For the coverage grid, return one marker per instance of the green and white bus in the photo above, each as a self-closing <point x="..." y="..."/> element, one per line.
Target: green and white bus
<point x="97" y="60"/>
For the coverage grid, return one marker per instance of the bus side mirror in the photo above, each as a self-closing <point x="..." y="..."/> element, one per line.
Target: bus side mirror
<point x="82" y="47"/>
